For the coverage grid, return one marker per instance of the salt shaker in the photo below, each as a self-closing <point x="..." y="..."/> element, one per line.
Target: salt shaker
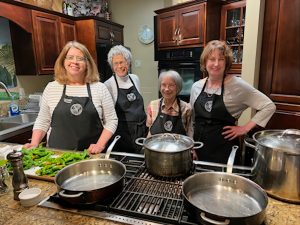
<point x="19" y="179"/>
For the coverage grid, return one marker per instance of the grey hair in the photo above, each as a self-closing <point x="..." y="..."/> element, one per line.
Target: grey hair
<point x="119" y="50"/>
<point x="174" y="75"/>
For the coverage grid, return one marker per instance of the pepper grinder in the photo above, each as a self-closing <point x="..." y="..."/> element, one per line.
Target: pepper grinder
<point x="19" y="179"/>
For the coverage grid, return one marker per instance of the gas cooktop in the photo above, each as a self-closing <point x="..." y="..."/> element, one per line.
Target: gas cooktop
<point x="145" y="199"/>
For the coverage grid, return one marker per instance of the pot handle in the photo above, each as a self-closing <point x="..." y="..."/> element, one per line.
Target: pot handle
<point x="291" y="131"/>
<point x="111" y="146"/>
<point x="137" y="141"/>
<point x="200" y="145"/>
<point x="63" y="194"/>
<point x="202" y="215"/>
<point x="247" y="141"/>
<point x="231" y="158"/>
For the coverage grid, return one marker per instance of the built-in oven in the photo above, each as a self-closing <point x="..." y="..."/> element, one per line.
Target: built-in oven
<point x="186" y="62"/>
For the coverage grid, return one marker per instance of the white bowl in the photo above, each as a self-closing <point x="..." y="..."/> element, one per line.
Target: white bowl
<point x="30" y="196"/>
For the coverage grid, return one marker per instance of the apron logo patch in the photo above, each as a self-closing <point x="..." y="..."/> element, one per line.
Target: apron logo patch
<point x="168" y="125"/>
<point x="131" y="97"/>
<point x="76" y="109"/>
<point x="67" y="100"/>
<point x="208" y="106"/>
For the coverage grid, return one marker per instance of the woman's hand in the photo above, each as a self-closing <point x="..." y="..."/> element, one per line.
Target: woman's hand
<point x="232" y="132"/>
<point x="95" y="149"/>
<point x="30" y="145"/>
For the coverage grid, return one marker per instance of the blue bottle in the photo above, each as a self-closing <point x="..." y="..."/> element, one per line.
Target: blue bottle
<point x="14" y="108"/>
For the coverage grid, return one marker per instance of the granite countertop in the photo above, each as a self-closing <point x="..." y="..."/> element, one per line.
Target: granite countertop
<point x="12" y="213"/>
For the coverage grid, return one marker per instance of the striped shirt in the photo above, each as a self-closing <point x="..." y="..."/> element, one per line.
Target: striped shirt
<point x="100" y="96"/>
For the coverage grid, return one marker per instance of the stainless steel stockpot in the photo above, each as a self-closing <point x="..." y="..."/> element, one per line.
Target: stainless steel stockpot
<point x="168" y="155"/>
<point x="277" y="162"/>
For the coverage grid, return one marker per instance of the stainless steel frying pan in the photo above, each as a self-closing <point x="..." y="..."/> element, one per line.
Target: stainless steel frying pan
<point x="91" y="181"/>
<point x="224" y="198"/>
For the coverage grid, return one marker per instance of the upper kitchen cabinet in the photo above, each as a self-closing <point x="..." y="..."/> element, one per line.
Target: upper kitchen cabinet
<point x="190" y="24"/>
<point x="232" y="31"/>
<point x="46" y="40"/>
<point x="37" y="36"/>
<point x="93" y="32"/>
<point x="50" y="34"/>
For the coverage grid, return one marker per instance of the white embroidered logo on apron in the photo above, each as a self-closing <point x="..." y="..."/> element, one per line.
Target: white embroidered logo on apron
<point x="208" y="106"/>
<point x="67" y="100"/>
<point x="131" y="97"/>
<point x="76" y="109"/>
<point x="168" y="125"/>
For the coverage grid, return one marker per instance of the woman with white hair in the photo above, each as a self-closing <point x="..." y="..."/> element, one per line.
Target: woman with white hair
<point x="168" y="114"/>
<point x="129" y="104"/>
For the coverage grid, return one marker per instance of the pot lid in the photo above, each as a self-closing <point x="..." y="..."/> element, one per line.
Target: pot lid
<point x="168" y="142"/>
<point x="283" y="140"/>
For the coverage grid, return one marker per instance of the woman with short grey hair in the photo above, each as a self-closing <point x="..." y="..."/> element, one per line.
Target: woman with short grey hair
<point x="119" y="50"/>
<point x="129" y="103"/>
<point x="168" y="114"/>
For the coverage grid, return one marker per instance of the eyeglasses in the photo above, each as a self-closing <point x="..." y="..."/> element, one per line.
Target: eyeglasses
<point x="169" y="86"/>
<point x="121" y="63"/>
<point x="73" y="57"/>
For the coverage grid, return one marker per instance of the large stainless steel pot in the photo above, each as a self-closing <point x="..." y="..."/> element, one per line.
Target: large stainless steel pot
<point x="91" y="181"/>
<point x="223" y="198"/>
<point x="277" y="163"/>
<point x="168" y="155"/>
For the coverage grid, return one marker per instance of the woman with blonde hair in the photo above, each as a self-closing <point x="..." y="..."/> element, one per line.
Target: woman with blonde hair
<point x="77" y="111"/>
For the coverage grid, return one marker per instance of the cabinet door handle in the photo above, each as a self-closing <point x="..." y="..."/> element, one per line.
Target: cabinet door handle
<point x="175" y="35"/>
<point x="179" y="34"/>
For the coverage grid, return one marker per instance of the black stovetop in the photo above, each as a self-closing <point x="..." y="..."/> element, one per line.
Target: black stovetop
<point x="145" y="199"/>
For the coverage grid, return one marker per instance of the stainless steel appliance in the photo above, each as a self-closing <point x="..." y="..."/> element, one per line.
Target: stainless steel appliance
<point x="186" y="62"/>
<point x="145" y="199"/>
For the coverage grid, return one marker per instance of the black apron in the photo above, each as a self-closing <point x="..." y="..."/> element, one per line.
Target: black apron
<point x="211" y="116"/>
<point x="166" y="123"/>
<point x="75" y="123"/>
<point x="131" y="118"/>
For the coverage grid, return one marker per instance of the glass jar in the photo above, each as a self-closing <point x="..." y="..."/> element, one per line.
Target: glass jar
<point x="4" y="180"/>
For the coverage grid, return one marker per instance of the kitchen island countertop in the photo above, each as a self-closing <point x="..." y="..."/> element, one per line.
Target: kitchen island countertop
<point x="12" y="213"/>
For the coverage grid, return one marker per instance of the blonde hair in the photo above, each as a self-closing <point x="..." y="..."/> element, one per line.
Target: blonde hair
<point x="223" y="48"/>
<point x="60" y="73"/>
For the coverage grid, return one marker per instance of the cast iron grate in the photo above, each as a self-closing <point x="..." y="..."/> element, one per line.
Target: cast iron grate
<point x="153" y="198"/>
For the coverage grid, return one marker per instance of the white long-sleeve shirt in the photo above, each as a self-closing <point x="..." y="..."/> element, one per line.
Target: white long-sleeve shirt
<point x="100" y="96"/>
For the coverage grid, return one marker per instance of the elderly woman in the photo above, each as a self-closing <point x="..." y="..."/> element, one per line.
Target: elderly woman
<point x="76" y="110"/>
<point x="129" y="104"/>
<point x="168" y="114"/>
<point x="218" y="100"/>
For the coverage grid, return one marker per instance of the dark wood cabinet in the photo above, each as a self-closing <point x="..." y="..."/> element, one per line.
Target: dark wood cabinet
<point x="189" y="24"/>
<point x="232" y="31"/>
<point x="50" y="34"/>
<point x="37" y="36"/>
<point x="46" y="40"/>
<point x="21" y="138"/>
<point x="67" y="31"/>
<point x="92" y="32"/>
<point x="108" y="33"/>
<point x="279" y="75"/>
